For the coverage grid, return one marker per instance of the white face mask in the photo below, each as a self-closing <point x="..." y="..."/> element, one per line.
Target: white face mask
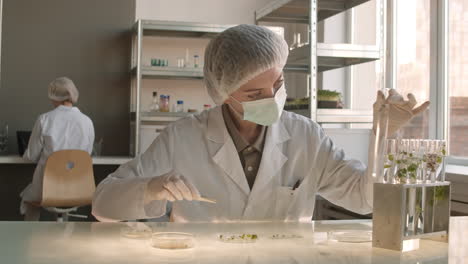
<point x="264" y="111"/>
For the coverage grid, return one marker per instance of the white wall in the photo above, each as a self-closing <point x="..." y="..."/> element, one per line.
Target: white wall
<point x="334" y="31"/>
<point x="204" y="11"/>
<point x="365" y="79"/>
<point x="354" y="142"/>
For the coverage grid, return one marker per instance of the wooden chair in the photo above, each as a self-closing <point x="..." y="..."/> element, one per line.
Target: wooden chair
<point x="68" y="182"/>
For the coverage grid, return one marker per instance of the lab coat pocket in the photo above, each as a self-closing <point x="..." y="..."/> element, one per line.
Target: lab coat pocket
<point x="285" y="196"/>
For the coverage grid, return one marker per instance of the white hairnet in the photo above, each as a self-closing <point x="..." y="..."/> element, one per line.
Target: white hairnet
<point x="238" y="55"/>
<point x="62" y="89"/>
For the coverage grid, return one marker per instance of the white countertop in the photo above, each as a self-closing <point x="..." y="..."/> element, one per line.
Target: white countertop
<point x="101" y="160"/>
<point x="81" y="242"/>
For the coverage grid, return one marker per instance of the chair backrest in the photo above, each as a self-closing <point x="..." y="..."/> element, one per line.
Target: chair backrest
<point x="68" y="179"/>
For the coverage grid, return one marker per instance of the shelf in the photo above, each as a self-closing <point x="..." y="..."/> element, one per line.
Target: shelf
<point x="337" y="115"/>
<point x="329" y="8"/>
<point x="181" y="29"/>
<point x="332" y="56"/>
<point x="97" y="160"/>
<point x="297" y="11"/>
<point x="302" y="112"/>
<point x="288" y="11"/>
<point x="344" y="116"/>
<point x="156" y="72"/>
<point x="163" y="116"/>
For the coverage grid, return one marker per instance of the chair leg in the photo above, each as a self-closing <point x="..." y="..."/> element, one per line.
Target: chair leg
<point x="65" y="217"/>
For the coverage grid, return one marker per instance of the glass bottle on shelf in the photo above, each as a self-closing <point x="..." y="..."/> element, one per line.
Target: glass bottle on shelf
<point x="180" y="63"/>
<point x="294" y="44"/>
<point x="196" y="61"/>
<point x="299" y="43"/>
<point x="154" y="106"/>
<point x="180" y="106"/>
<point x="187" y="59"/>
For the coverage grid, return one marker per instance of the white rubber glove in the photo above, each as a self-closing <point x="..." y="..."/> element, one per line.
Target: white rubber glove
<point x="400" y="110"/>
<point x="172" y="187"/>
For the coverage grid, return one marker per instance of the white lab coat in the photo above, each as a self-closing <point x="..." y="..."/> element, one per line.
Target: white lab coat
<point x="200" y="148"/>
<point x="62" y="128"/>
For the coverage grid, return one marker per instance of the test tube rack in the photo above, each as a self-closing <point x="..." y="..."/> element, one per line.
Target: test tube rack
<point x="405" y="213"/>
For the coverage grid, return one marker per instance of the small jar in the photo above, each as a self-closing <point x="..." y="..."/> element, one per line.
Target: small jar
<point x="206" y="107"/>
<point x="164" y="103"/>
<point x="180" y="106"/>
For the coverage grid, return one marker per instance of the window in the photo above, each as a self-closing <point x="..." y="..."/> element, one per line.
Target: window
<point x="413" y="59"/>
<point x="417" y="63"/>
<point x="458" y="77"/>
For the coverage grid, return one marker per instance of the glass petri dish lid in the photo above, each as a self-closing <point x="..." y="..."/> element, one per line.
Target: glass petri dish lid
<point x="135" y="233"/>
<point x="350" y="236"/>
<point x="172" y="240"/>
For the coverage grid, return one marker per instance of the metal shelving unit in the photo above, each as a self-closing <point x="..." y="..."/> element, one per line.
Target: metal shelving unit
<point x="155" y="28"/>
<point x="315" y="57"/>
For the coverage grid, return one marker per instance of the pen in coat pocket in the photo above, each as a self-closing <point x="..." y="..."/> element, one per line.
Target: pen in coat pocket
<point x="296" y="185"/>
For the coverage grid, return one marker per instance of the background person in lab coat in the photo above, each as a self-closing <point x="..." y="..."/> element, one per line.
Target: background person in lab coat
<point x="65" y="127"/>
<point x="258" y="161"/>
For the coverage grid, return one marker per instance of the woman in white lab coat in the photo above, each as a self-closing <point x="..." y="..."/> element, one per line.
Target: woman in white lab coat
<point x="65" y="127"/>
<point x="200" y="155"/>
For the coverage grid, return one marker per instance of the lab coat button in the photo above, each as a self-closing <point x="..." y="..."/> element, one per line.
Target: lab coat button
<point x="249" y="168"/>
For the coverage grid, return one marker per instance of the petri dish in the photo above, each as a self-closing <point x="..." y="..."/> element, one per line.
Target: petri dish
<point x="350" y="236"/>
<point x="135" y="233"/>
<point x="238" y="238"/>
<point x="172" y="240"/>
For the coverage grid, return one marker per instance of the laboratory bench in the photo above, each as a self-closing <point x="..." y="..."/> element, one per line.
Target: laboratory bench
<point x="97" y="160"/>
<point x="276" y="242"/>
